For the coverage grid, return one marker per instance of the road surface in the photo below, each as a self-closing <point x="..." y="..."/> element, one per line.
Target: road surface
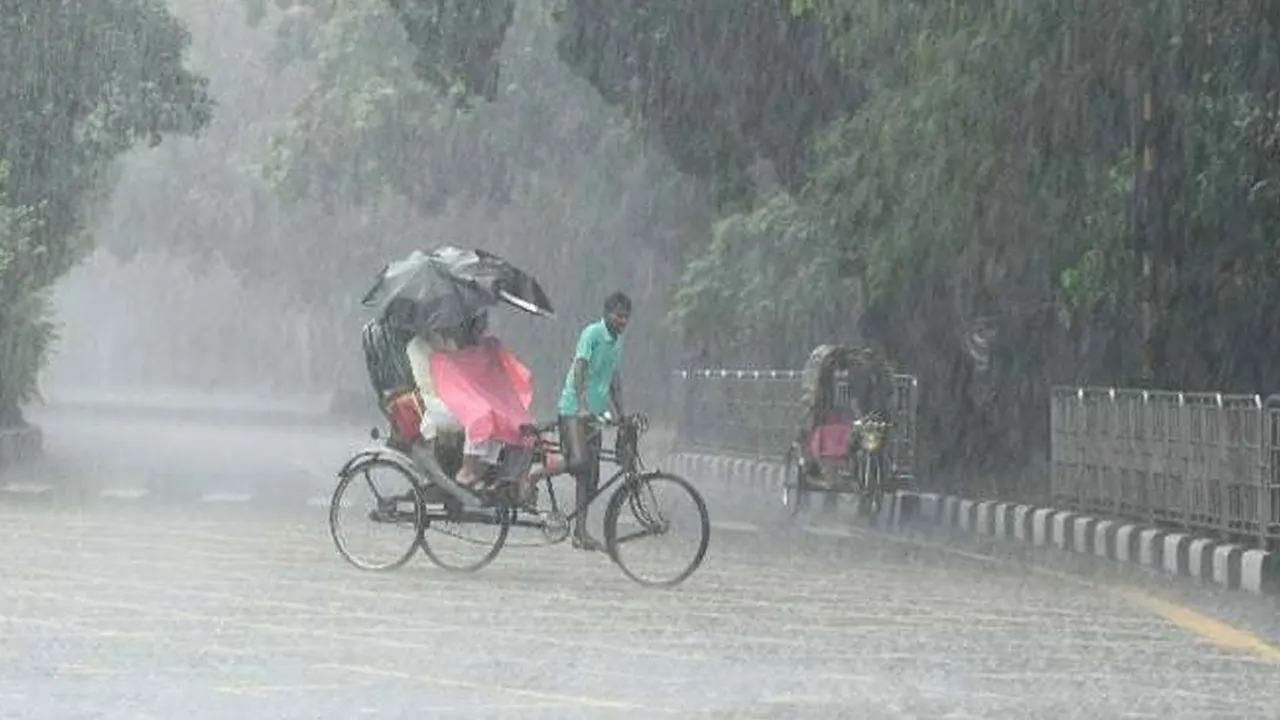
<point x="175" y="568"/>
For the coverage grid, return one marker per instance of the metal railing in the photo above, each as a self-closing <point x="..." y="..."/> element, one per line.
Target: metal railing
<point x="1205" y="462"/>
<point x="758" y="413"/>
<point x="1208" y="463"/>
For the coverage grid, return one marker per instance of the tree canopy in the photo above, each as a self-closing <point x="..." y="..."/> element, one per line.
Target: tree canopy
<point x="335" y="154"/>
<point x="1014" y="169"/>
<point x="546" y="173"/>
<point x="1004" y="194"/>
<point x="80" y="83"/>
<point x="1016" y="192"/>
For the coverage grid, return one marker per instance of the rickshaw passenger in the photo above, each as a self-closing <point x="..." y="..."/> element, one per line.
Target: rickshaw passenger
<point x="399" y="363"/>
<point x="439" y="423"/>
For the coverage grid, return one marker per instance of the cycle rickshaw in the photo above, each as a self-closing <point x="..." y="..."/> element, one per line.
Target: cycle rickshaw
<point x="434" y="514"/>
<point x="856" y="429"/>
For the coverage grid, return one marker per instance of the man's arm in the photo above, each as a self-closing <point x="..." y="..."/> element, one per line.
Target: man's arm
<point x="580" y="382"/>
<point x="583" y="355"/>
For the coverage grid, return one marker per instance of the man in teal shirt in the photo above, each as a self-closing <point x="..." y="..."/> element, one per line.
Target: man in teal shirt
<point x="591" y="387"/>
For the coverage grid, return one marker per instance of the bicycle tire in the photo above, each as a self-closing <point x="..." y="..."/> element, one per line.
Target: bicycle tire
<point x="629" y="490"/>
<point x="335" y="506"/>
<point x="872" y="490"/>
<point x="502" y="513"/>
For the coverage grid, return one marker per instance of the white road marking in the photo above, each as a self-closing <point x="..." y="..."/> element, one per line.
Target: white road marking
<point x="827" y="531"/>
<point x="225" y="497"/>
<point x="28" y="488"/>
<point x="125" y="493"/>
<point x="731" y="526"/>
<point x="325" y="501"/>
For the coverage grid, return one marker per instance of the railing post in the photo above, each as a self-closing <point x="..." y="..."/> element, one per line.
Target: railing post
<point x="1267" y="487"/>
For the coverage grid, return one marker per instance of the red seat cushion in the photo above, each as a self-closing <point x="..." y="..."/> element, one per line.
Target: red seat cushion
<point x="830" y="440"/>
<point x="405" y="416"/>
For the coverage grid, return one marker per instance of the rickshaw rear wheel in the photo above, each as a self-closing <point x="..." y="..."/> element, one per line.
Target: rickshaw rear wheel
<point x="465" y="525"/>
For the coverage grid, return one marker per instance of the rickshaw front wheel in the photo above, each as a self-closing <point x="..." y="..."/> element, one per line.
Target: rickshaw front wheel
<point x="873" y="485"/>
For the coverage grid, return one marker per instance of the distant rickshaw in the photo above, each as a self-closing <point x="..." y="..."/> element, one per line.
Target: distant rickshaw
<point x="856" y="429"/>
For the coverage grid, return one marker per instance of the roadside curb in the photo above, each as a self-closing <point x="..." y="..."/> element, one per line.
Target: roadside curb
<point x="20" y="444"/>
<point x="1172" y="552"/>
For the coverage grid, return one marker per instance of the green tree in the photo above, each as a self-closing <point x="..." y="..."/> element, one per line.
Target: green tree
<point x="83" y="82"/>
<point x="721" y="84"/>
<point x="1006" y="163"/>
<point x="455" y="43"/>
<point x="1003" y="184"/>
<point x="546" y="174"/>
<point x="355" y="158"/>
<point x="1008" y="193"/>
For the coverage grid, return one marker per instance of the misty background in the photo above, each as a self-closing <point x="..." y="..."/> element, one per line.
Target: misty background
<point x="1003" y="197"/>
<point x="207" y="277"/>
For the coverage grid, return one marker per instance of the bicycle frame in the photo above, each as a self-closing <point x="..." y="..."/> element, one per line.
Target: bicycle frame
<point x="629" y="463"/>
<point x="503" y="508"/>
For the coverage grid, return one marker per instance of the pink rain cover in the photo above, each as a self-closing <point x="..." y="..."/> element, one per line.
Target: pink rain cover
<point x="487" y="389"/>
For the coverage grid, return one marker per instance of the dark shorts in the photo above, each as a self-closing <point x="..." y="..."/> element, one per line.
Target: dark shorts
<point x="580" y="448"/>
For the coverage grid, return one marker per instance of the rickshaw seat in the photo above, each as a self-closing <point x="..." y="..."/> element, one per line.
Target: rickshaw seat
<point x="405" y="416"/>
<point x="830" y="440"/>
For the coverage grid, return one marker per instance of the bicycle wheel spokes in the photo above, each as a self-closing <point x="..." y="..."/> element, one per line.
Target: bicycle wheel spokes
<point x="657" y="529"/>
<point x="465" y="539"/>
<point x="375" y="515"/>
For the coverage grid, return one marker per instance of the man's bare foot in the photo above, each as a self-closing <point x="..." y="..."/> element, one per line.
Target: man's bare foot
<point x="469" y="480"/>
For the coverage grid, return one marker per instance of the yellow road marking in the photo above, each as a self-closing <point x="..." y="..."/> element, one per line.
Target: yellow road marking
<point x="1215" y="631"/>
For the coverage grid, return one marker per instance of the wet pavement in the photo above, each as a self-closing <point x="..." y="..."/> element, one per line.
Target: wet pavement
<point x="168" y="604"/>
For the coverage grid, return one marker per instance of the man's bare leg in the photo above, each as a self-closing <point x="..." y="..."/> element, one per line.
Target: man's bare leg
<point x="529" y="483"/>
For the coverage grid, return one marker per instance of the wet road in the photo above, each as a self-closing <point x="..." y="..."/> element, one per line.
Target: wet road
<point x="183" y="569"/>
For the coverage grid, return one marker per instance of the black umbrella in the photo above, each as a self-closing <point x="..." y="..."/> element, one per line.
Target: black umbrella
<point x="451" y="285"/>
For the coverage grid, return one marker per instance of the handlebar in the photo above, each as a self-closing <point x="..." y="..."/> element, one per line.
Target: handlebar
<point x="873" y="419"/>
<point x="639" y="421"/>
<point x="539" y="428"/>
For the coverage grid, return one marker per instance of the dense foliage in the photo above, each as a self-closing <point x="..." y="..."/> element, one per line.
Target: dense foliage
<point x="336" y="151"/>
<point x="80" y="83"/>
<point x="1004" y="194"/>
<point x="545" y="174"/>
<point x="1026" y="192"/>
